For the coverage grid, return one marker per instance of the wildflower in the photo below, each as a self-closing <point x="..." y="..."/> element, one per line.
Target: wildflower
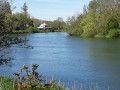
<point x="25" y="67"/>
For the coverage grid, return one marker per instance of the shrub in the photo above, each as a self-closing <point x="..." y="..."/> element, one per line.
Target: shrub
<point x="33" y="81"/>
<point x="32" y="29"/>
<point x="102" y="33"/>
<point x="114" y="33"/>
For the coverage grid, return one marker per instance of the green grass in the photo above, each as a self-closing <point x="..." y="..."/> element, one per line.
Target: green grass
<point x="34" y="30"/>
<point x="7" y="83"/>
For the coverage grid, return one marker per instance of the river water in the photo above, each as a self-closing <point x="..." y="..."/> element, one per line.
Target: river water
<point x="85" y="63"/>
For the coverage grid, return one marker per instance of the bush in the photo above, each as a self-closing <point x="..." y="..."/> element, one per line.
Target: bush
<point x="33" y="81"/>
<point x="114" y="33"/>
<point x="32" y="29"/>
<point x="102" y="33"/>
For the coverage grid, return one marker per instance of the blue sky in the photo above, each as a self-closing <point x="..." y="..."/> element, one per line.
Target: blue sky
<point x="52" y="9"/>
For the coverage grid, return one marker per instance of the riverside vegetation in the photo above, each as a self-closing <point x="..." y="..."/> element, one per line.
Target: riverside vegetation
<point x="32" y="81"/>
<point x="101" y="18"/>
<point x="22" y="22"/>
<point x="34" y="30"/>
<point x="8" y="23"/>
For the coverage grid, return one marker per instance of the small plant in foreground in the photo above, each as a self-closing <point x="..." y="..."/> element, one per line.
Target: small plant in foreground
<point x="32" y="80"/>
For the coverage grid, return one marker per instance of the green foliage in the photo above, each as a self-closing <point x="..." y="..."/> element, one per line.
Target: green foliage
<point x="36" y="22"/>
<point x="33" y="81"/>
<point x="73" y="26"/>
<point x="58" y="23"/>
<point x="32" y="29"/>
<point x="6" y="83"/>
<point x="13" y="21"/>
<point x="10" y="23"/>
<point x="89" y="25"/>
<point x="93" y="5"/>
<point x="22" y="21"/>
<point x="97" y="19"/>
<point x="5" y="7"/>
<point x="102" y="33"/>
<point x="114" y="33"/>
<point x="112" y="22"/>
<point x="2" y="21"/>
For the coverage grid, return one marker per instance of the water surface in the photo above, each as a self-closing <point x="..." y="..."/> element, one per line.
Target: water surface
<point x="82" y="62"/>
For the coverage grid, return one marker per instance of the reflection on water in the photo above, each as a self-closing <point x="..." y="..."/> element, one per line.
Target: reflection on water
<point x="7" y="62"/>
<point x="86" y="62"/>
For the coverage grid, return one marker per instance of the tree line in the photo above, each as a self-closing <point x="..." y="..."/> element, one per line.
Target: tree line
<point x="58" y="24"/>
<point x="22" y="20"/>
<point x="9" y="22"/>
<point x="101" y="18"/>
<point x="16" y="21"/>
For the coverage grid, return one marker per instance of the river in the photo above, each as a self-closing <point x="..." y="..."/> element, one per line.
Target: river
<point x="77" y="62"/>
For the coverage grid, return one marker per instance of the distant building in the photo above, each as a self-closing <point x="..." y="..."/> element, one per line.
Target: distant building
<point x="43" y="26"/>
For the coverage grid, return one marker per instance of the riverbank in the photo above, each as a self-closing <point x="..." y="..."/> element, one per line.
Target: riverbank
<point x="34" y="30"/>
<point x="113" y="33"/>
<point x="7" y="83"/>
<point x="31" y="81"/>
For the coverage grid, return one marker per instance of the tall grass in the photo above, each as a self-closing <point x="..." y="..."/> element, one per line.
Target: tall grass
<point x="7" y="83"/>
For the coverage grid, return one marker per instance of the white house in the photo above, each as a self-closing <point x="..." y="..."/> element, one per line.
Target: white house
<point x="43" y="26"/>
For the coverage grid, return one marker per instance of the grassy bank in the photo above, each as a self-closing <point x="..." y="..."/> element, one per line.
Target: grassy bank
<point x="31" y="81"/>
<point x="34" y="30"/>
<point x="7" y="83"/>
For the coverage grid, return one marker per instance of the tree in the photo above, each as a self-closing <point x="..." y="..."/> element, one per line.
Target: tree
<point x="5" y="7"/>
<point x="58" y="23"/>
<point x="7" y="20"/>
<point x="93" y="5"/>
<point x="98" y="17"/>
<point x="36" y="22"/>
<point x="25" y="7"/>
<point x="89" y="25"/>
<point x="112" y="22"/>
<point x="2" y="21"/>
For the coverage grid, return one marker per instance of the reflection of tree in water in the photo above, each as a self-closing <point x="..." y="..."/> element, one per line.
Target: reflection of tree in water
<point x="6" y="41"/>
<point x="6" y="62"/>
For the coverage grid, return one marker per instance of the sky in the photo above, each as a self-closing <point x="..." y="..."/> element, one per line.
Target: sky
<point x="51" y="9"/>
